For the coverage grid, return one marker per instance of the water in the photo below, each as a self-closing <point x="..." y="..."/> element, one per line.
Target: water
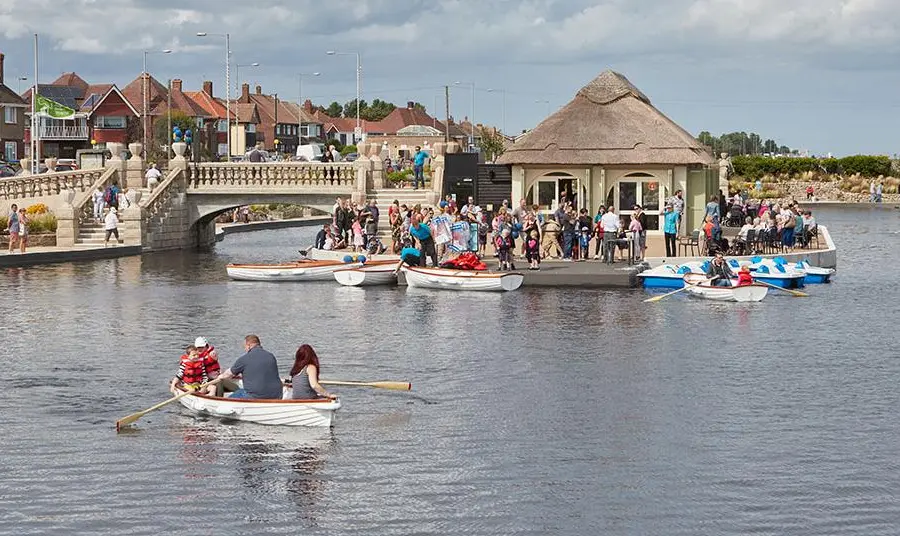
<point x="535" y="412"/>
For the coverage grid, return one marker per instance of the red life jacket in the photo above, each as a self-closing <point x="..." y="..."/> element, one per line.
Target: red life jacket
<point x="210" y="361"/>
<point x="744" y="278"/>
<point x="191" y="371"/>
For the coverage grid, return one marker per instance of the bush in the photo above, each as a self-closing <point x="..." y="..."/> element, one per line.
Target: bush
<point x="42" y="223"/>
<point x="35" y="209"/>
<point x="348" y="149"/>
<point x="292" y="211"/>
<point x="755" y="167"/>
<point x="399" y="176"/>
<point x="867" y="166"/>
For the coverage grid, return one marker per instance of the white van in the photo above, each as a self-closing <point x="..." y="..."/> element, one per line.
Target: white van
<point x="311" y="152"/>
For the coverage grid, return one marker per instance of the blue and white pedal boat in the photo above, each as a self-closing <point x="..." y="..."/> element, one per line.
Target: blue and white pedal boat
<point x="669" y="275"/>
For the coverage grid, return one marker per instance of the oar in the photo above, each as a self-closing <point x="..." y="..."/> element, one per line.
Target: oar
<point x="125" y="421"/>
<point x="393" y="386"/>
<point x="795" y="293"/>
<point x="685" y="287"/>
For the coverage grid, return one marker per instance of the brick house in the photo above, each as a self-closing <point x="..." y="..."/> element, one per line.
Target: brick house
<point x="12" y="121"/>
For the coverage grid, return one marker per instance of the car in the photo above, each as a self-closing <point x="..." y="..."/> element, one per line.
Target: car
<point x="6" y="170"/>
<point x="350" y="157"/>
<point x="311" y="152"/>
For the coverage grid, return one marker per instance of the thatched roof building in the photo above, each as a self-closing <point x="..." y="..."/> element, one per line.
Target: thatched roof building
<point x="609" y="122"/>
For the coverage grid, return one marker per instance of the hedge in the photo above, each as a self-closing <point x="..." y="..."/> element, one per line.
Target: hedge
<point x="754" y="167"/>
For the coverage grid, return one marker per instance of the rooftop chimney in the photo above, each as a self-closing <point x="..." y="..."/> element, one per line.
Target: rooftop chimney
<point x="259" y="90"/>
<point x="245" y="93"/>
<point x="307" y="105"/>
<point x="176" y="85"/>
<point x="1" y="67"/>
<point x="410" y="104"/>
<point x="207" y="88"/>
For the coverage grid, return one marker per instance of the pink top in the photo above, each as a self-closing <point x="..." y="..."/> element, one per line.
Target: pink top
<point x="357" y="228"/>
<point x="635" y="225"/>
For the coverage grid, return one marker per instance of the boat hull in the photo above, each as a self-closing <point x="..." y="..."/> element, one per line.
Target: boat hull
<point x="311" y="413"/>
<point x="745" y="293"/>
<point x="444" y="279"/>
<point x="298" y="271"/>
<point x="791" y="281"/>
<point x="367" y="276"/>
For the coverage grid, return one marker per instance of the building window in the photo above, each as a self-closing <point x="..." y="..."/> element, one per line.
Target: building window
<point x="222" y="126"/>
<point x="9" y="115"/>
<point x="222" y="149"/>
<point x="110" y="121"/>
<point x="10" y="150"/>
<point x="250" y="127"/>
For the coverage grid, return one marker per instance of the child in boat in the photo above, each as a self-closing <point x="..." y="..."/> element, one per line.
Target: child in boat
<point x="744" y="277"/>
<point x="192" y="372"/>
<point x="533" y="251"/>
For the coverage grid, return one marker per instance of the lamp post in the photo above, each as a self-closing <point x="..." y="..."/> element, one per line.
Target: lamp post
<point x="502" y="93"/>
<point x="358" y="131"/>
<point x="472" y="139"/>
<point x="145" y="81"/>
<point x="300" y="106"/>
<point x="19" y="81"/>
<point x="227" y="86"/>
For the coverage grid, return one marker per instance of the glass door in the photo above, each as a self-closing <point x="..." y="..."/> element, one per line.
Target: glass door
<point x="638" y="191"/>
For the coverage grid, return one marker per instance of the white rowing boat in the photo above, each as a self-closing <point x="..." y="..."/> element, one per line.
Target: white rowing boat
<point x="697" y="286"/>
<point x="370" y="274"/>
<point x="442" y="278"/>
<point x="285" y="412"/>
<point x="292" y="271"/>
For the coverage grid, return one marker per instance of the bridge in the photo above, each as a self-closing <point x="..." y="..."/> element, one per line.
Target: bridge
<point x="180" y="212"/>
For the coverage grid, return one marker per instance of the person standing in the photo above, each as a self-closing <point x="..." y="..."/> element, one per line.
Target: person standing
<point x="422" y="233"/>
<point x="670" y="230"/>
<point x="375" y="212"/>
<point x="419" y="167"/>
<point x="712" y="208"/>
<point x="23" y="230"/>
<point x="152" y="177"/>
<point x="872" y="191"/>
<point x="111" y="196"/>
<point x="97" y="197"/>
<point x="610" y="223"/>
<point x="677" y="202"/>
<point x="259" y="370"/>
<point x="111" y="226"/>
<point x="641" y="236"/>
<point x="12" y="225"/>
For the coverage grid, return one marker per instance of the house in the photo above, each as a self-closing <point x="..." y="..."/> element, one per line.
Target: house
<point x="246" y="123"/>
<point x="279" y="120"/>
<point x="242" y="121"/>
<point x="12" y="121"/>
<point x="110" y="116"/>
<point x="610" y="146"/>
<point x="162" y="99"/>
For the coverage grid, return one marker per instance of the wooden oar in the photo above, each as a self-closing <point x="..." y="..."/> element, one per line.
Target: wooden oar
<point x="393" y="386"/>
<point x="795" y="293"/>
<point x="685" y="287"/>
<point x="125" y="421"/>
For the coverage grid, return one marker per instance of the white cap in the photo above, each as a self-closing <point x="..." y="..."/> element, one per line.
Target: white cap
<point x="200" y="342"/>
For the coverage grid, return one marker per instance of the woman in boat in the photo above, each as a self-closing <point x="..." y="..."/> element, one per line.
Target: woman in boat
<point x="305" y="376"/>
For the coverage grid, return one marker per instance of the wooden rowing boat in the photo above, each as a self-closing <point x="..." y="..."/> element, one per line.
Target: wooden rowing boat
<point x="696" y="286"/>
<point x="292" y="271"/>
<point x="284" y="412"/>
<point x="370" y="274"/>
<point x="442" y="278"/>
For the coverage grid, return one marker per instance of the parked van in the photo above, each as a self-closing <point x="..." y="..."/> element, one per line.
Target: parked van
<point x="311" y="152"/>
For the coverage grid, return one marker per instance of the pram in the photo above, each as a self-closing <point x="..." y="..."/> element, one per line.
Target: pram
<point x="735" y="216"/>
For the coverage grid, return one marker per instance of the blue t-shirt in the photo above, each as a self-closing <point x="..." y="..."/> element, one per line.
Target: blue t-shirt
<point x="260" y="371"/>
<point x="419" y="158"/>
<point x="422" y="232"/>
<point x="671" y="225"/>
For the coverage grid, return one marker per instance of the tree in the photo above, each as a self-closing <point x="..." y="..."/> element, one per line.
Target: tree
<point x="334" y="109"/>
<point x="350" y="108"/>
<point x="377" y="111"/>
<point x="163" y="136"/>
<point x="770" y="147"/>
<point x="492" y="144"/>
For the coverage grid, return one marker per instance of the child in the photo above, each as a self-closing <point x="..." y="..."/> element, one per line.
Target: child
<point x="533" y="251"/>
<point x="505" y="247"/>
<point x="584" y="242"/>
<point x="744" y="277"/>
<point x="358" y="241"/>
<point x="483" y="229"/>
<point x="192" y="372"/>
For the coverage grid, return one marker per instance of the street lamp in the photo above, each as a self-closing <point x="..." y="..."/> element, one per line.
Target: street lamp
<point x="19" y="81"/>
<point x="358" y="131"/>
<point x="227" y="85"/>
<point x="145" y="81"/>
<point x="300" y="107"/>
<point x="472" y="139"/>
<point x="502" y="94"/>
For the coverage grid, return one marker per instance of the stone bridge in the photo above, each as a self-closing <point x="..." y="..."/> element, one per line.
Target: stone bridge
<point x="180" y="212"/>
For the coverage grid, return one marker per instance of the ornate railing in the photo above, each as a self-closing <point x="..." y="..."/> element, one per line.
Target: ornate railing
<point x="158" y="200"/>
<point x="270" y="175"/>
<point x="83" y="203"/>
<point x="47" y="184"/>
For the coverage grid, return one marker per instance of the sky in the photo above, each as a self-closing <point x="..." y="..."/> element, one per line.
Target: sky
<point x="816" y="75"/>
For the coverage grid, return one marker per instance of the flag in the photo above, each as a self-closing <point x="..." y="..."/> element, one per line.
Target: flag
<point x="48" y="108"/>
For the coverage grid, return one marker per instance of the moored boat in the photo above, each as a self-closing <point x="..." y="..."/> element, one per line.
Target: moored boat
<point x="293" y="271"/>
<point x="669" y="275"/>
<point x="442" y="278"/>
<point x="370" y="274"/>
<point x="774" y="273"/>
<point x="285" y="412"/>
<point x="697" y="286"/>
<point x="815" y="275"/>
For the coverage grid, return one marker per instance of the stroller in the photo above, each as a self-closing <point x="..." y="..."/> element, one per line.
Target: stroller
<point x="735" y="216"/>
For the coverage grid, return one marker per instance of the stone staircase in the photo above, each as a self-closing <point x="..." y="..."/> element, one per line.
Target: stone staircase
<point x="93" y="234"/>
<point x="385" y="197"/>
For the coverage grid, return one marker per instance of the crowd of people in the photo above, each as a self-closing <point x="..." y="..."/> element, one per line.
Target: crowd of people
<point x="199" y="370"/>
<point x="352" y="226"/>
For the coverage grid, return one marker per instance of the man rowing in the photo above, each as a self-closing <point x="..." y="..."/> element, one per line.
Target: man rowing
<point x="719" y="270"/>
<point x="259" y="371"/>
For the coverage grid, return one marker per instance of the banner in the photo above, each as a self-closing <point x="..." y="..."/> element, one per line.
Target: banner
<point x="440" y="229"/>
<point x="48" y="108"/>
<point x="460" y="241"/>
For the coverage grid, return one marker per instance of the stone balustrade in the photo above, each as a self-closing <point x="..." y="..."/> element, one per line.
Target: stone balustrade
<point x="48" y="184"/>
<point x="159" y="200"/>
<point x="83" y="203"/>
<point x="271" y="175"/>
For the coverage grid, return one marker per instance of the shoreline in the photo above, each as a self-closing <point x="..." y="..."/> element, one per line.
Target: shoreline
<point x="223" y="229"/>
<point x="53" y="255"/>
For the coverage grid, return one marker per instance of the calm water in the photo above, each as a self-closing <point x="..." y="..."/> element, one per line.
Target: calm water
<point x="535" y="412"/>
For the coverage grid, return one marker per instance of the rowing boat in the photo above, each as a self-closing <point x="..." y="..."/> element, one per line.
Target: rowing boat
<point x="292" y="271"/>
<point x="285" y="412"/>
<point x="370" y="274"/>
<point x="442" y="278"/>
<point x="696" y="286"/>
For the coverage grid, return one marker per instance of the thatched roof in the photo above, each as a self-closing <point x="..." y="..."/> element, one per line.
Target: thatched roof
<point x="609" y="122"/>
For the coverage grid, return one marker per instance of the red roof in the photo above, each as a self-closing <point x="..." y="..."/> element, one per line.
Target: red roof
<point x="213" y="107"/>
<point x="71" y="80"/>
<point x="156" y="93"/>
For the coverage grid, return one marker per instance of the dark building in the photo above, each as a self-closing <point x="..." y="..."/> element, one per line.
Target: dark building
<point x="489" y="184"/>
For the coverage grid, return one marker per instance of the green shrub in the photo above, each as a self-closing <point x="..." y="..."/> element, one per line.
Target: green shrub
<point x="865" y="165"/>
<point x="348" y="149"/>
<point x="399" y="176"/>
<point x="292" y="211"/>
<point x="754" y="167"/>
<point x="42" y="223"/>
